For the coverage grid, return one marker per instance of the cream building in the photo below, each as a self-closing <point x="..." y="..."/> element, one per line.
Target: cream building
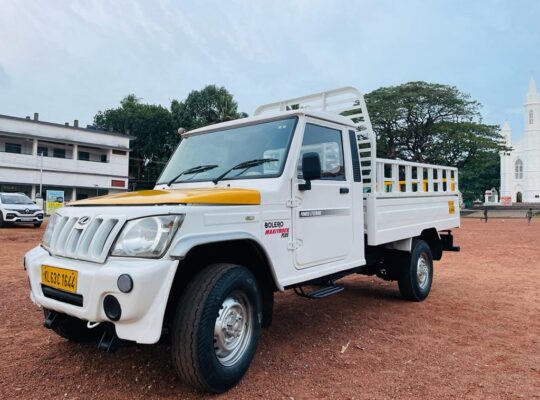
<point x="81" y="162"/>
<point x="520" y="168"/>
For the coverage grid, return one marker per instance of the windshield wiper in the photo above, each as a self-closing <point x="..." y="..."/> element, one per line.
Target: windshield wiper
<point x="245" y="166"/>
<point x="193" y="170"/>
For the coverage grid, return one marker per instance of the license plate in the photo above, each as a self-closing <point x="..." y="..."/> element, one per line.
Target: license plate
<point x="27" y="219"/>
<point x="59" y="278"/>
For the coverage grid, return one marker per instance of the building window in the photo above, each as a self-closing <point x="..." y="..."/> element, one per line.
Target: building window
<point x="519" y="169"/>
<point x="119" y="152"/>
<point x="59" y="153"/>
<point x="43" y="150"/>
<point x="13" y="148"/>
<point x="531" y="117"/>
<point x="84" y="156"/>
<point x="103" y="158"/>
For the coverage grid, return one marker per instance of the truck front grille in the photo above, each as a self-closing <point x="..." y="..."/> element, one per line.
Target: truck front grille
<point x="83" y="238"/>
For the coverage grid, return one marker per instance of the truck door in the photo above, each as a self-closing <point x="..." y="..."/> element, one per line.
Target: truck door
<point x="323" y="223"/>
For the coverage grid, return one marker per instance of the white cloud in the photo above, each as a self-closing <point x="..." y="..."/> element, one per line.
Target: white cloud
<point x="68" y="59"/>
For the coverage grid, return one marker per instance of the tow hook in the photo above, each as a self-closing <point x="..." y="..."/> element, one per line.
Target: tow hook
<point x="109" y="341"/>
<point x="92" y="325"/>
<point x="50" y="320"/>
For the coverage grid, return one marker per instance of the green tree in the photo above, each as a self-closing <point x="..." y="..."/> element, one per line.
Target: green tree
<point x="434" y="123"/>
<point x="204" y="107"/>
<point x="479" y="174"/>
<point x="154" y="136"/>
<point x="155" y="127"/>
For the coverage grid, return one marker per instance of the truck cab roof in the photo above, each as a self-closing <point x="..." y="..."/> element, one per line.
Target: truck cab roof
<point x="326" y="116"/>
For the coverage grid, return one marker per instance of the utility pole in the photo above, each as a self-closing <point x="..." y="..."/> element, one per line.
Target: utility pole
<point x="41" y="175"/>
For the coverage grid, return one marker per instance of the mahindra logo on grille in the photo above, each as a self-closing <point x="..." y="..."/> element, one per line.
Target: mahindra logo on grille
<point x="84" y="220"/>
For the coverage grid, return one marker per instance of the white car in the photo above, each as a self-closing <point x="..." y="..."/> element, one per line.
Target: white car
<point x="18" y="208"/>
<point x="290" y="198"/>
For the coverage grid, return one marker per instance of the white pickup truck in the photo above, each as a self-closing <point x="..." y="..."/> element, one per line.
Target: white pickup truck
<point x="292" y="198"/>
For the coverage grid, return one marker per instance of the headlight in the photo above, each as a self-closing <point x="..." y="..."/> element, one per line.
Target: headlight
<point x="147" y="237"/>
<point x="53" y="220"/>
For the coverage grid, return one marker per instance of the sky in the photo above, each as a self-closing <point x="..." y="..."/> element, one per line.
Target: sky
<point x="69" y="59"/>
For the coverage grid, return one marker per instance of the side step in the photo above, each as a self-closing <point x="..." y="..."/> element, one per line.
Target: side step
<point x="319" y="293"/>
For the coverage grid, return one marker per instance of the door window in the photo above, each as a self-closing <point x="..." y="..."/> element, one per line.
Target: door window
<point x="328" y="143"/>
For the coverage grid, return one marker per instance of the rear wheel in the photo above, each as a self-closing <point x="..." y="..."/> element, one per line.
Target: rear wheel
<point x="74" y="329"/>
<point x="216" y="327"/>
<point x="416" y="274"/>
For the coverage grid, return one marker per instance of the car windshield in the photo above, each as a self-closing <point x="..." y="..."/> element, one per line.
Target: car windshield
<point x="227" y="148"/>
<point x="15" y="199"/>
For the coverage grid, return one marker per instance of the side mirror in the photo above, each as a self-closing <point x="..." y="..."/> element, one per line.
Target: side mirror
<point x="311" y="169"/>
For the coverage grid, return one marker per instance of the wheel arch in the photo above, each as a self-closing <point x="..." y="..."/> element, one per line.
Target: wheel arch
<point x="433" y="239"/>
<point x="202" y="251"/>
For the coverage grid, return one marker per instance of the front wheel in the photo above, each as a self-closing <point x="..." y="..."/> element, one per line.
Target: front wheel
<point x="217" y="327"/>
<point x="416" y="275"/>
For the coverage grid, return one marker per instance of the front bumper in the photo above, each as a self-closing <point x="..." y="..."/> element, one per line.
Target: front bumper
<point x="142" y="309"/>
<point x="18" y="218"/>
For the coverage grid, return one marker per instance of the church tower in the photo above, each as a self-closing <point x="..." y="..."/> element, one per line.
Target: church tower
<point x="532" y="107"/>
<point x="531" y="141"/>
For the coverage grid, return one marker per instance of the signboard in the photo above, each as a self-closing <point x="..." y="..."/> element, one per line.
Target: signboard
<point x="55" y="200"/>
<point x="118" y="183"/>
<point x="506" y="200"/>
<point x="451" y="207"/>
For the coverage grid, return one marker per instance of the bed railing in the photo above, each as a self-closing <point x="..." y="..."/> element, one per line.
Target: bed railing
<point x="396" y="176"/>
<point x="379" y="176"/>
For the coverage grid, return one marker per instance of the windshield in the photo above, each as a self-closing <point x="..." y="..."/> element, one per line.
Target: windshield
<point x="15" y="199"/>
<point x="228" y="148"/>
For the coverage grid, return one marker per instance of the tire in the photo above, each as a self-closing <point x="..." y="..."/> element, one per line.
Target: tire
<point x="204" y="359"/>
<point x="37" y="225"/>
<point x="2" y="223"/>
<point x="74" y="329"/>
<point x="416" y="275"/>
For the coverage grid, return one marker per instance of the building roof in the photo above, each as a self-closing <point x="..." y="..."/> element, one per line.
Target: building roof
<point x="33" y="121"/>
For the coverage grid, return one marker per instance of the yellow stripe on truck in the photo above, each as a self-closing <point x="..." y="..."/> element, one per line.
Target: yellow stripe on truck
<point x="231" y="196"/>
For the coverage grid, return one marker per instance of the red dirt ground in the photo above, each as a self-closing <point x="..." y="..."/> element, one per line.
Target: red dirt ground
<point x="477" y="336"/>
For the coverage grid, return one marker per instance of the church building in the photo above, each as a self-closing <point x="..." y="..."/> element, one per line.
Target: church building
<point x="520" y="168"/>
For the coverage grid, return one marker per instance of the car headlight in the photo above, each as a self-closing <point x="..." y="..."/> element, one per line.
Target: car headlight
<point x="147" y="237"/>
<point x="53" y="220"/>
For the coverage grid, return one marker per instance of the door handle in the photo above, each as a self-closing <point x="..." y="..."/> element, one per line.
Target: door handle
<point x="343" y="190"/>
